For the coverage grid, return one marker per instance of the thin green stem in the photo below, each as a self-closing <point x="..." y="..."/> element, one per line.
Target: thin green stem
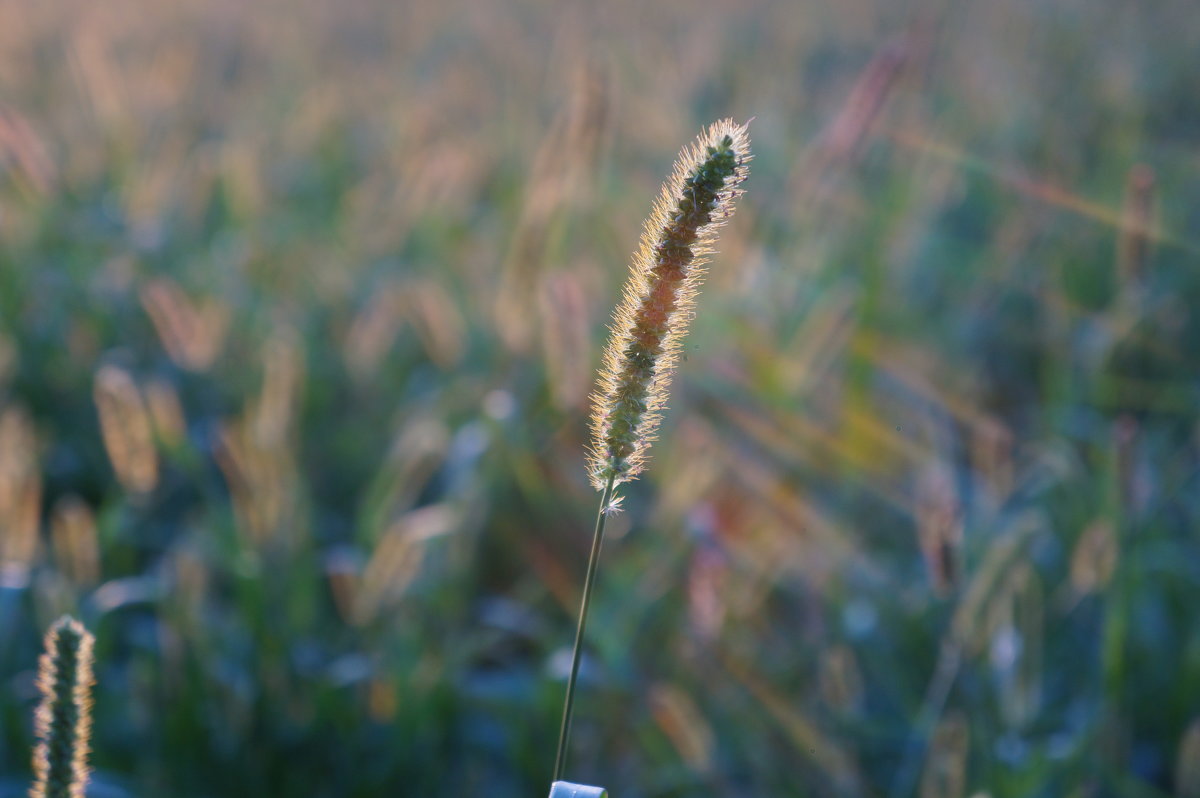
<point x="564" y="733"/>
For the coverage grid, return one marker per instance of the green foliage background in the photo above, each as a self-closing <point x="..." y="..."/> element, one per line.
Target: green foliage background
<point x="922" y="518"/>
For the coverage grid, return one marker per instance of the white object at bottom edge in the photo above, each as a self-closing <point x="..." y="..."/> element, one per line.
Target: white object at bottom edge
<point x="565" y="789"/>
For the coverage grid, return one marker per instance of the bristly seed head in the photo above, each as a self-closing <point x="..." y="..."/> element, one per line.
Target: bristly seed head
<point x="651" y="319"/>
<point x="63" y="720"/>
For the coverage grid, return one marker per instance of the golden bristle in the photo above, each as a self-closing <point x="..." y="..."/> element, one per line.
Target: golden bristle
<point x="63" y="720"/>
<point x="656" y="304"/>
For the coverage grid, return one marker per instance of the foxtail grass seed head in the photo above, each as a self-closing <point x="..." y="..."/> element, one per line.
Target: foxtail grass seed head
<point x="651" y="319"/>
<point x="63" y="720"/>
<point x="126" y="429"/>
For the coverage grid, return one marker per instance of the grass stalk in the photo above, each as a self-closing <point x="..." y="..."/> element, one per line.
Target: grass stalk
<point x="648" y="328"/>
<point x="564" y="733"/>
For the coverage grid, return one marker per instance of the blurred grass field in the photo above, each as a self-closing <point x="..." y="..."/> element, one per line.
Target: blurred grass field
<point x="300" y="304"/>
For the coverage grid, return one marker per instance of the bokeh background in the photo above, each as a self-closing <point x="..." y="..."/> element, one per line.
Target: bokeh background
<point x="300" y="304"/>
